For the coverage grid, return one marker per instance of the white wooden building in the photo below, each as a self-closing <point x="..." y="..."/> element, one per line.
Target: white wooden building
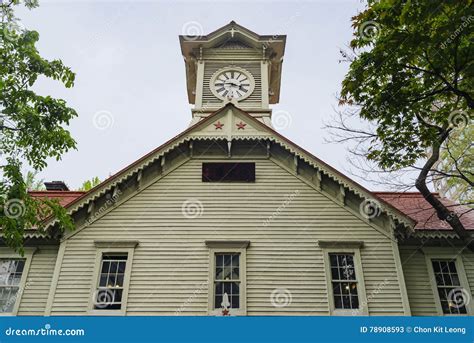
<point x="231" y="217"/>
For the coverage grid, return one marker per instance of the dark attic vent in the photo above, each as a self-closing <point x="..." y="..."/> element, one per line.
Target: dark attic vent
<point x="228" y="172"/>
<point x="56" y="186"/>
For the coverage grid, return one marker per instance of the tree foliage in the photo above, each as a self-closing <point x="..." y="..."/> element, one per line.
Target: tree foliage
<point x="31" y="126"/>
<point x="411" y="80"/>
<point x="89" y="184"/>
<point x="32" y="183"/>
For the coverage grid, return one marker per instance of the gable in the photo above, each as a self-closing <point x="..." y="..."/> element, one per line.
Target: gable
<point x="239" y="129"/>
<point x="278" y="202"/>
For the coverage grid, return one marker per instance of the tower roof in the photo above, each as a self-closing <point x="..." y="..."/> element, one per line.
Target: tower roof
<point x="237" y="37"/>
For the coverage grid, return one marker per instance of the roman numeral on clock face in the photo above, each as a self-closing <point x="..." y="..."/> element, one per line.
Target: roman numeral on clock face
<point x="232" y="83"/>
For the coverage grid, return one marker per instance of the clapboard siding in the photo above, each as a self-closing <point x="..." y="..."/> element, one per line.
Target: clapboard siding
<point x="418" y="283"/>
<point x="38" y="282"/>
<point x="420" y="293"/>
<point x="170" y="265"/>
<point x="468" y="262"/>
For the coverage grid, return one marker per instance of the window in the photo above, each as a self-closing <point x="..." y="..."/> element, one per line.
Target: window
<point x="448" y="285"/>
<point x="227" y="277"/>
<point x="227" y="280"/>
<point x="344" y="277"/>
<point x="344" y="281"/>
<point x="228" y="172"/>
<point x="111" y="282"/>
<point x="11" y="271"/>
<point x="448" y="281"/>
<point x="112" y="273"/>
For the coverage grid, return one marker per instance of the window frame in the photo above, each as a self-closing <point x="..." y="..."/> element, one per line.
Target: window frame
<point x="28" y="256"/>
<point x="363" y="305"/>
<point x="104" y="248"/>
<point x="436" y="254"/>
<point x="224" y="247"/>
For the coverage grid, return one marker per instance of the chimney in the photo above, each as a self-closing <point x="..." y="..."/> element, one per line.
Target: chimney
<point x="56" y="186"/>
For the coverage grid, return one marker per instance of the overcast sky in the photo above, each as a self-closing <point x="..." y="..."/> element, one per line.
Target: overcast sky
<point x="127" y="60"/>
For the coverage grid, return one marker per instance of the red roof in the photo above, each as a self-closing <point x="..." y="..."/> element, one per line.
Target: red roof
<point x="416" y="207"/>
<point x="64" y="197"/>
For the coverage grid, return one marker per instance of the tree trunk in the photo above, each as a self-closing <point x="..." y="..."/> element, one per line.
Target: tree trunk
<point x="441" y="210"/>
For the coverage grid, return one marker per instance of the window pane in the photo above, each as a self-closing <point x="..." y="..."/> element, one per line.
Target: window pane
<point x="235" y="288"/>
<point x="344" y="292"/>
<point x="227" y="286"/>
<point x="235" y="260"/>
<point x="227" y="260"/>
<point x="235" y="301"/>
<point x="103" y="280"/>
<point x="346" y="302"/>
<point x="227" y="272"/>
<point x="219" y="288"/>
<point x="119" y="281"/>
<point x="19" y="265"/>
<point x="10" y="276"/>
<point x="218" y="301"/>
<point x="111" y="281"/>
<point x="235" y="273"/>
<point x="447" y="281"/>
<point x="121" y="267"/>
<point x="113" y="267"/>
<point x="7" y="299"/>
<point x="354" y="301"/>
<point x="439" y="279"/>
<point x="219" y="274"/>
<point x="219" y="260"/>
<point x="338" y="302"/>
<point x="105" y="267"/>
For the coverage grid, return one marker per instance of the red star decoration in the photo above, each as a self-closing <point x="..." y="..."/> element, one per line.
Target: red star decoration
<point x="218" y="125"/>
<point x="241" y="126"/>
<point x="225" y="312"/>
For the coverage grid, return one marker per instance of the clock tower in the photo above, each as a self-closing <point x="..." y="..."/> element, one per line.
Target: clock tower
<point x="233" y="64"/>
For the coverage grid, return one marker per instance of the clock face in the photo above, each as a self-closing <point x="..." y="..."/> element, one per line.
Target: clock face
<point x="232" y="84"/>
